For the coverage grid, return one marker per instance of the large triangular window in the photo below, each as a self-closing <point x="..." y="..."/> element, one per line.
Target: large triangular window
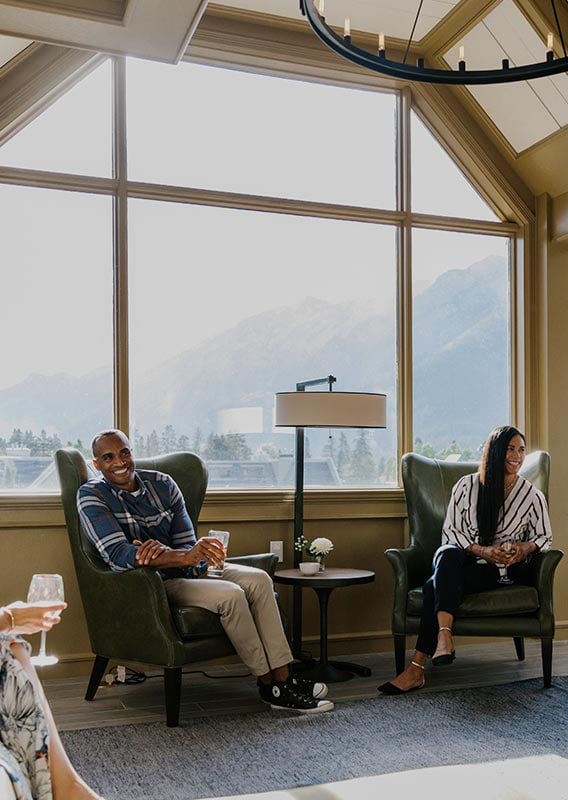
<point x="438" y="185"/>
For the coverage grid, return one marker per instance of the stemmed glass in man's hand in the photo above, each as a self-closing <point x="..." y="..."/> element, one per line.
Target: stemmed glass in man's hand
<point x="508" y="547"/>
<point x="45" y="590"/>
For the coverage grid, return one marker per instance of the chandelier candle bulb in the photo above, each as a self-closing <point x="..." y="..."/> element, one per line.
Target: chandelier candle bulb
<point x="321" y="8"/>
<point x="347" y="29"/>
<point x="461" y="57"/>
<point x="550" y="47"/>
<point x="382" y="45"/>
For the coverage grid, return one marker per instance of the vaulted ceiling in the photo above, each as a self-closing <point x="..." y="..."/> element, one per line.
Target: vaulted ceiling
<point x="525" y="119"/>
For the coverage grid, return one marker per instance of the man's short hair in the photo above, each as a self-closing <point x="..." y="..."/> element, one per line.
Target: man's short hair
<point x="101" y="434"/>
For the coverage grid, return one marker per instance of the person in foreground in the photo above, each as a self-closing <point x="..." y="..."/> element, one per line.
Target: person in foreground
<point x="137" y="518"/>
<point x="489" y="511"/>
<point x="31" y="752"/>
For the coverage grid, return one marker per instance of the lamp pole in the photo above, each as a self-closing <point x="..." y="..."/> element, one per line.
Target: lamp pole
<point x="299" y="518"/>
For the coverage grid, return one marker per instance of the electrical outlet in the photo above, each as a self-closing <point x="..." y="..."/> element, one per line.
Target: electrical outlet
<point x="278" y="549"/>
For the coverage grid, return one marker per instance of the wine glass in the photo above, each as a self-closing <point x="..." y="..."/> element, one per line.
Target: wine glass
<point x="45" y="590"/>
<point x="517" y="536"/>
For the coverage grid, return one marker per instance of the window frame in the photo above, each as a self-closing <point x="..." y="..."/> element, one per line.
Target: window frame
<point x="248" y="55"/>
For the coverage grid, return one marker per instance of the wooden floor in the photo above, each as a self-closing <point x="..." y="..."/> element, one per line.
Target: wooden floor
<point x="231" y="691"/>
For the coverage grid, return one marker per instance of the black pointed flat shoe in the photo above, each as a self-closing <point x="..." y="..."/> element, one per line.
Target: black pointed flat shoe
<point x="390" y="689"/>
<point x="447" y="658"/>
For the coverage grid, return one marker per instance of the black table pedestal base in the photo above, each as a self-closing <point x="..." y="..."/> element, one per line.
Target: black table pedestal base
<point x="327" y="673"/>
<point x="331" y="671"/>
<point x="324" y="670"/>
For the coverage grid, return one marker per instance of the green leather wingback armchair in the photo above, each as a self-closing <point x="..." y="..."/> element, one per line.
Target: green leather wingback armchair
<point x="128" y="615"/>
<point x="515" y="611"/>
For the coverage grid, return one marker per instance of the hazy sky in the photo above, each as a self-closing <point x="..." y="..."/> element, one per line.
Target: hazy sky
<point x="196" y="271"/>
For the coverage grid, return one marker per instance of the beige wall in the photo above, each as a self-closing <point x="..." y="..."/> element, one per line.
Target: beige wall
<point x="557" y="272"/>
<point x="24" y="551"/>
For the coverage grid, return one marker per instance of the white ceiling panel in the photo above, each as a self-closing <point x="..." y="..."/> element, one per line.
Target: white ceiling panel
<point x="524" y="112"/>
<point x="517" y="111"/>
<point x="394" y="17"/>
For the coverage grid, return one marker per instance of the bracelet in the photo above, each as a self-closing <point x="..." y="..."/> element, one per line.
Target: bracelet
<point x="12" y="621"/>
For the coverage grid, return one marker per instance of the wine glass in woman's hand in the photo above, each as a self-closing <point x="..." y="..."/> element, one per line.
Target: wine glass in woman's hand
<point x="504" y="579"/>
<point x="44" y="590"/>
<point x="509" y="547"/>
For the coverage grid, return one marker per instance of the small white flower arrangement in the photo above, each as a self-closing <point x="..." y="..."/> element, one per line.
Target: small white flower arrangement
<point x="319" y="548"/>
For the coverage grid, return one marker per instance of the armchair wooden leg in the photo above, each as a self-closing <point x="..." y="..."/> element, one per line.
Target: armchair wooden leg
<point x="546" y="650"/>
<point x="399" y="652"/>
<point x="519" y="647"/>
<point x="172" y="687"/>
<point x="99" y="666"/>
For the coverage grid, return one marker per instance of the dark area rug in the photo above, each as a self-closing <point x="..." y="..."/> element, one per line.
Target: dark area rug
<point x="271" y="750"/>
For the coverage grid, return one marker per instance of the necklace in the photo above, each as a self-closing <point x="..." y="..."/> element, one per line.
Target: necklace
<point x="509" y="485"/>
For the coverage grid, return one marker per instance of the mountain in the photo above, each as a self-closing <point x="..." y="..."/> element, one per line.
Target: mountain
<point x="460" y="367"/>
<point x="265" y="353"/>
<point x="461" y="360"/>
<point x="65" y="404"/>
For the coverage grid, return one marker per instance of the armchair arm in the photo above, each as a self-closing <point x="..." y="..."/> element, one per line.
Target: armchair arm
<point x="410" y="566"/>
<point x="541" y="568"/>
<point x="265" y="561"/>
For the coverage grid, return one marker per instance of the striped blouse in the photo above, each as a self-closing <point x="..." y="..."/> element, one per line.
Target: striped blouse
<point x="524" y="516"/>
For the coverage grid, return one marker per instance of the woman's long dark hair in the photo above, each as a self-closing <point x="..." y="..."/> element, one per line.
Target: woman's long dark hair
<point x="492" y="481"/>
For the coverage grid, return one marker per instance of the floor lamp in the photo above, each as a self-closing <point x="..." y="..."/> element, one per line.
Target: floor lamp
<point x="301" y="409"/>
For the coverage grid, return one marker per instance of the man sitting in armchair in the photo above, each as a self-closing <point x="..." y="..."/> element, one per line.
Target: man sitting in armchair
<point x="137" y="518"/>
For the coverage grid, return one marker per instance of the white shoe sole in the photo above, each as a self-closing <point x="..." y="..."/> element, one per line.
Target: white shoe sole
<point x="322" y="706"/>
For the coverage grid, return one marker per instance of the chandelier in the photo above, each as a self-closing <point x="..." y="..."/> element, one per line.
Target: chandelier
<point x="380" y="62"/>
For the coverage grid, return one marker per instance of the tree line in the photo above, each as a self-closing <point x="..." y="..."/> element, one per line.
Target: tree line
<point x="42" y="444"/>
<point x="353" y="457"/>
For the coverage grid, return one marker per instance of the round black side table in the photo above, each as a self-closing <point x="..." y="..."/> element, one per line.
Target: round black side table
<point x="323" y="583"/>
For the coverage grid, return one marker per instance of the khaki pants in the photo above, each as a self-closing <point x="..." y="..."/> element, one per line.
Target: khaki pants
<point x="244" y="599"/>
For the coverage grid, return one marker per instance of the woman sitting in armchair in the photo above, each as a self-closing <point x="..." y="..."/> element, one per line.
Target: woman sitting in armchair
<point x="495" y="519"/>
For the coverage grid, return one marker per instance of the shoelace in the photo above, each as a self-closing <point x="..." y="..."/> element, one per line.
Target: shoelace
<point x="297" y="695"/>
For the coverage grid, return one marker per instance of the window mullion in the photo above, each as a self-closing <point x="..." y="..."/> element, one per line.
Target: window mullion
<point x="404" y="282"/>
<point x="120" y="265"/>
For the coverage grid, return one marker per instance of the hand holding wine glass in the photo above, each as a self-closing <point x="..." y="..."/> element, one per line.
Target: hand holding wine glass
<point x="32" y="618"/>
<point x="43" y="591"/>
<point x="510" y="549"/>
<point x="504" y="579"/>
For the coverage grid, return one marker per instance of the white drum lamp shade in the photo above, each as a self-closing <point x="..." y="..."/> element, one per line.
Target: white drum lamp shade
<point x="330" y="410"/>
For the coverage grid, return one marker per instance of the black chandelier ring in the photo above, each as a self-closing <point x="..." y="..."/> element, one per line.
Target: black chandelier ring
<point x="343" y="46"/>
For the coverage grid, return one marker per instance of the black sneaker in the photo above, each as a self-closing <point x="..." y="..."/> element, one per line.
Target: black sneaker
<point x="287" y="695"/>
<point x="314" y="688"/>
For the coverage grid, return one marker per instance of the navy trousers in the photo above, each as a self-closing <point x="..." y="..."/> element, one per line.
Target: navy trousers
<point x="456" y="574"/>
